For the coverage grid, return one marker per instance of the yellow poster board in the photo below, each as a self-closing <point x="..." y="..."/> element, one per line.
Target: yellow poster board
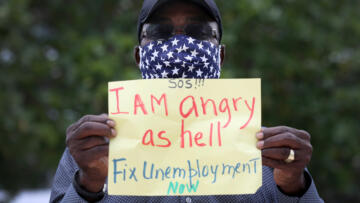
<point x="185" y="137"/>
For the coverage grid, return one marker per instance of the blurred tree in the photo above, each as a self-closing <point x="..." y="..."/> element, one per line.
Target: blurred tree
<point x="56" y="58"/>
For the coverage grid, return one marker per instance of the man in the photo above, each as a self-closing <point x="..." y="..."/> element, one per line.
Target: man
<point x="181" y="38"/>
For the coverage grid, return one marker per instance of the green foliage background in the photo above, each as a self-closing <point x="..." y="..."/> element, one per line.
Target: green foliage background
<point x="57" y="56"/>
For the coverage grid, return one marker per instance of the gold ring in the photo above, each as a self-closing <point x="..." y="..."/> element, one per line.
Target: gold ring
<point x="291" y="156"/>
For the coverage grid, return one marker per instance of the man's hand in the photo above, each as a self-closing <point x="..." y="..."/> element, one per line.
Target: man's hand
<point x="275" y="144"/>
<point x="88" y="142"/>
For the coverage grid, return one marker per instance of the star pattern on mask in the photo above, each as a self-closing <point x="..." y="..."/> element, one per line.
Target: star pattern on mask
<point x="180" y="57"/>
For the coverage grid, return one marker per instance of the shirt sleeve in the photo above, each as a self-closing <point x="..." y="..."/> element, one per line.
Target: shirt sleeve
<point x="311" y="194"/>
<point x="62" y="189"/>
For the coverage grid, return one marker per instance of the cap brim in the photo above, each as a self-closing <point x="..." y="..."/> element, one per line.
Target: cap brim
<point x="159" y="3"/>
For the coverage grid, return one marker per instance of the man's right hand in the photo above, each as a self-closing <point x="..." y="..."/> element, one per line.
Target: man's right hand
<point x="88" y="142"/>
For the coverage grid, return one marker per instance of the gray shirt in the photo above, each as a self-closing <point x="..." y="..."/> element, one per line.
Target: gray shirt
<point x="63" y="190"/>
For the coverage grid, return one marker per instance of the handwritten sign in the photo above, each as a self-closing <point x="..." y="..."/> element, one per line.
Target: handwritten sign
<point x="185" y="137"/>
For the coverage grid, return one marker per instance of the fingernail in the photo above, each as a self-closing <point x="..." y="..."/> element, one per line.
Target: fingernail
<point x="260" y="144"/>
<point x="110" y="123"/>
<point x="113" y="132"/>
<point x="260" y="135"/>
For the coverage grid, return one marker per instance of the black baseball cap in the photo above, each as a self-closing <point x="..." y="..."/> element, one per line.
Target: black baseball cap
<point x="149" y="6"/>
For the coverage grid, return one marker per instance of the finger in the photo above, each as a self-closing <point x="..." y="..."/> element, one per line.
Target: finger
<point x="99" y="151"/>
<point x="282" y="165"/>
<point x="269" y="132"/>
<point x="70" y="128"/>
<point x="276" y="153"/>
<point x="260" y="134"/>
<point x="88" y="118"/>
<point x="93" y="128"/>
<point x="88" y="159"/>
<point x="111" y="123"/>
<point x="282" y="140"/>
<point x="279" y="164"/>
<point x="303" y="134"/>
<point x="91" y="142"/>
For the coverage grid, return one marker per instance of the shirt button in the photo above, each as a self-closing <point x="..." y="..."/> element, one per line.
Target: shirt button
<point x="188" y="200"/>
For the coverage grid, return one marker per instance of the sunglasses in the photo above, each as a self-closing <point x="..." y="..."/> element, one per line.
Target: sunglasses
<point x="199" y="31"/>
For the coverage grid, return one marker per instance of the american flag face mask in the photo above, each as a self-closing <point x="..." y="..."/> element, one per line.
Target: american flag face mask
<point x="180" y="57"/>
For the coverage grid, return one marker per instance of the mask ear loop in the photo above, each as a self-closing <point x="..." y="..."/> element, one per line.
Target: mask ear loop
<point x="219" y="60"/>
<point x="144" y="63"/>
<point x="141" y="66"/>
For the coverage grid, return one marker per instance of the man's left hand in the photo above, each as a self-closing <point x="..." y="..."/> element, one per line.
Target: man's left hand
<point x="275" y="144"/>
